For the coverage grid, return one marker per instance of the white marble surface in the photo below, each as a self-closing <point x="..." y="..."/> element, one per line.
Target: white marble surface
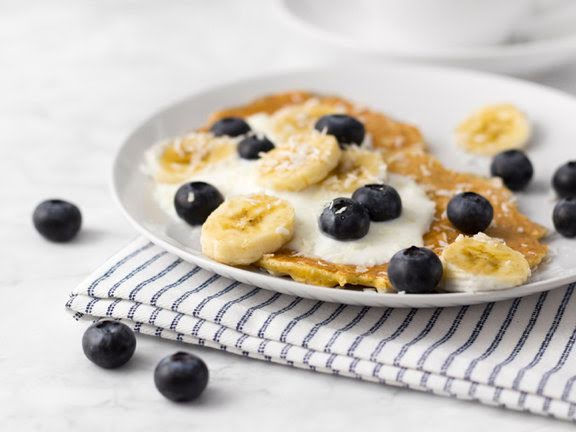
<point x="75" y="78"/>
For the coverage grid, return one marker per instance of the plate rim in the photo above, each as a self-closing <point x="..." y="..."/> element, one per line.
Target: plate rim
<point x="285" y="285"/>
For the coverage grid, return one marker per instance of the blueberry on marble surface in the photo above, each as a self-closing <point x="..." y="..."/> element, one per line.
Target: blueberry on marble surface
<point x="57" y="220"/>
<point x="181" y="377"/>
<point x="109" y="344"/>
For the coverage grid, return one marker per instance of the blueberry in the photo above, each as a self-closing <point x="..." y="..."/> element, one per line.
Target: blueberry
<point x="231" y="126"/>
<point x="57" y="220"/>
<point x="109" y="344"/>
<point x="346" y="129"/>
<point x="344" y="219"/>
<point x="181" y="377"/>
<point x="470" y="212"/>
<point x="195" y="201"/>
<point x="564" y="180"/>
<point x="382" y="201"/>
<point x="415" y="270"/>
<point x="251" y="146"/>
<point x="514" y="167"/>
<point x="564" y="217"/>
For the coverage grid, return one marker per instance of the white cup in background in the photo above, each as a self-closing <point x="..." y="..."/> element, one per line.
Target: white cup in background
<point x="442" y="23"/>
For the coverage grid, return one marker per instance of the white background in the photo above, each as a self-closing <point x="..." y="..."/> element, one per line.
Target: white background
<point x="75" y="78"/>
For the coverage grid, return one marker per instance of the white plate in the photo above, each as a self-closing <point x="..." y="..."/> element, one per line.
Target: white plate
<point x="539" y="52"/>
<point x="433" y="98"/>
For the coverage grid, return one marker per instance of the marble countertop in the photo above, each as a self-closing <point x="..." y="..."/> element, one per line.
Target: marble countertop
<point x="75" y="78"/>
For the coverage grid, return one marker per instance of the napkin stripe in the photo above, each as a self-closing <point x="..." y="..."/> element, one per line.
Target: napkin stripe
<point x="475" y="333"/>
<point x="499" y="336"/>
<point x="499" y="353"/>
<point x="251" y="310"/>
<point x="346" y="328"/>
<point x="457" y="321"/>
<point x="299" y="318"/>
<point x="184" y="278"/>
<point x="559" y="365"/>
<point x="188" y="293"/>
<point x="135" y="271"/>
<point x="546" y="341"/>
<point x="110" y="309"/>
<point x="371" y="331"/>
<point x="220" y="314"/>
<point x="207" y="300"/>
<point x="317" y="326"/>
<point x="427" y="329"/>
<point x="394" y="335"/>
<point x="521" y="341"/>
<point x="115" y="267"/>
<point x="154" y="278"/>
<point x="568" y="388"/>
<point x="275" y="314"/>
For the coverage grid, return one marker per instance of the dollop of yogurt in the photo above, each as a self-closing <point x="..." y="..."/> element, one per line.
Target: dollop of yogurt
<point x="236" y="176"/>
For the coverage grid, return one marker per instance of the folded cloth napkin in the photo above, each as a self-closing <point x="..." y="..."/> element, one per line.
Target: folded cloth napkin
<point x="517" y="354"/>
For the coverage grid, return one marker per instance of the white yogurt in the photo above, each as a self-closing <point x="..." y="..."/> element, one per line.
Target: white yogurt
<point x="237" y="176"/>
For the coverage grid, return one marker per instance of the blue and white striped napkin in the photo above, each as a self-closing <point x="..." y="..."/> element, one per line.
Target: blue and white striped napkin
<point x="517" y="354"/>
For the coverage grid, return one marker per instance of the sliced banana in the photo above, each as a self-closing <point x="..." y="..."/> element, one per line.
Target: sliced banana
<point x="305" y="159"/>
<point x="357" y="168"/>
<point x="299" y="118"/>
<point x="175" y="160"/>
<point x="493" y="129"/>
<point x="482" y="263"/>
<point x="244" y="228"/>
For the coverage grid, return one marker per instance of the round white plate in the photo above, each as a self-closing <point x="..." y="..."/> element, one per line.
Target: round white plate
<point x="343" y="29"/>
<point x="433" y="98"/>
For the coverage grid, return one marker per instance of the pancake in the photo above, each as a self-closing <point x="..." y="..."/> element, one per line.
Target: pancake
<point x="403" y="149"/>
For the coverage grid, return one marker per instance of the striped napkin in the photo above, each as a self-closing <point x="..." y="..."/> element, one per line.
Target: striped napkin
<point x="517" y="354"/>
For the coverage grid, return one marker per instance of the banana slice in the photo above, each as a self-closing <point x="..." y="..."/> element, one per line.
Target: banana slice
<point x="357" y="168"/>
<point x="244" y="228"/>
<point x="482" y="263"/>
<point x="493" y="129"/>
<point x="305" y="159"/>
<point x="299" y="118"/>
<point x="176" y="159"/>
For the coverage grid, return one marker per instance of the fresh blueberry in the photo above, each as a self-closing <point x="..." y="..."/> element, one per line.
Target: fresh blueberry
<point x="382" y="201"/>
<point x="251" y="146"/>
<point x="415" y="270"/>
<point x="346" y="129"/>
<point x="564" y="180"/>
<point x="181" y="377"/>
<point x="231" y="126"/>
<point x="564" y="217"/>
<point x="109" y="344"/>
<point x="57" y="220"/>
<point x="470" y="212"/>
<point x="514" y="167"/>
<point x="344" y="219"/>
<point x="195" y="201"/>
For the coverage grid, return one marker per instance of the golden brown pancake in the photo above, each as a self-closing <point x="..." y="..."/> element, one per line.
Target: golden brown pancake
<point x="404" y="151"/>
